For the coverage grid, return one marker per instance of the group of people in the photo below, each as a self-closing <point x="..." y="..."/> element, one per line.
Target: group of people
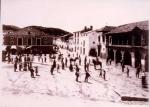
<point x="24" y="63"/>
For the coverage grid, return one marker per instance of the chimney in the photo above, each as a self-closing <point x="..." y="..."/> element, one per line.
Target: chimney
<point x="85" y="28"/>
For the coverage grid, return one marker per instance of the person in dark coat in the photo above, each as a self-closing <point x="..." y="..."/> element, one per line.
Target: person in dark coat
<point x="15" y="66"/>
<point x="71" y="67"/>
<point x="87" y="75"/>
<point x="100" y="73"/>
<point x="85" y="60"/>
<point x="63" y="65"/>
<point x="20" y="66"/>
<point x="45" y="58"/>
<point x="58" y="67"/>
<point x="77" y="73"/>
<point x="128" y="72"/>
<point x="79" y="60"/>
<point x="36" y="71"/>
<point x="32" y="72"/>
<point x="104" y="74"/>
<point x="138" y="72"/>
<point x="52" y="70"/>
<point x="66" y="61"/>
<point x="123" y="66"/>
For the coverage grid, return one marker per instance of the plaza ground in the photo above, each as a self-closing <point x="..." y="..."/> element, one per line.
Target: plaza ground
<point x="18" y="89"/>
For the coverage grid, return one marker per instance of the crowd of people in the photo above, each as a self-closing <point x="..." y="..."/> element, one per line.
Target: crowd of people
<point x="59" y="62"/>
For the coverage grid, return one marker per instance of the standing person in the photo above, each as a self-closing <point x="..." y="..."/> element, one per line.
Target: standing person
<point x="66" y="61"/>
<point x="45" y="58"/>
<point x="71" y="67"/>
<point x="58" y="67"/>
<point x="20" y="66"/>
<point x="123" y="66"/>
<point x="104" y="74"/>
<point x="63" y="65"/>
<point x="32" y="72"/>
<point x="15" y="66"/>
<point x="87" y="75"/>
<point x="77" y="73"/>
<point x="25" y="66"/>
<point x="52" y="70"/>
<point x="100" y="73"/>
<point x="128" y="72"/>
<point x="79" y="60"/>
<point x="87" y="67"/>
<point x="36" y="71"/>
<point x="137" y="72"/>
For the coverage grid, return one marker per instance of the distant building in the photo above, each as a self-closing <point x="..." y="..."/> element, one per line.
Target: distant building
<point x="129" y="44"/>
<point x="38" y="39"/>
<point x="91" y="42"/>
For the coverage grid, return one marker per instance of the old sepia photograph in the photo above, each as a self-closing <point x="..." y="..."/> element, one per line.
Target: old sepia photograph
<point x="74" y="53"/>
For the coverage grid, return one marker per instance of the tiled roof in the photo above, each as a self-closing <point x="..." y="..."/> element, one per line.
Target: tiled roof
<point x="39" y="30"/>
<point x="10" y="27"/>
<point x="143" y="25"/>
<point x="105" y="29"/>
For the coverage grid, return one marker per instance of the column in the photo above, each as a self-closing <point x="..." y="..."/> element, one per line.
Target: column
<point x="133" y="59"/>
<point x="122" y="56"/>
<point x="143" y="61"/>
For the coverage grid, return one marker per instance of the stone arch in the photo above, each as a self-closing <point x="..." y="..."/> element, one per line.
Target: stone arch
<point x="137" y="58"/>
<point x="118" y="56"/>
<point x="127" y="58"/>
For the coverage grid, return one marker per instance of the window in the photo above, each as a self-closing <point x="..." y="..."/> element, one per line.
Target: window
<point x="84" y="43"/>
<point x="103" y="38"/>
<point x="20" y="41"/>
<point x="84" y="51"/>
<point x="29" y="41"/>
<point x="80" y="50"/>
<point x="38" y="41"/>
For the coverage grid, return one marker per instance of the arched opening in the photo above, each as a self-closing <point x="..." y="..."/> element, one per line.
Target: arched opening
<point x="118" y="56"/>
<point x="137" y="59"/>
<point x="93" y="52"/>
<point x="127" y="58"/>
<point x="111" y="54"/>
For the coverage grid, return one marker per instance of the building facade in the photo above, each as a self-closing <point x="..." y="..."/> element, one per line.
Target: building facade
<point x="39" y="39"/>
<point x="128" y="44"/>
<point x="89" y="42"/>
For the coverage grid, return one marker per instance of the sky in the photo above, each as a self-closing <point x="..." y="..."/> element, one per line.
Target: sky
<point x="73" y="15"/>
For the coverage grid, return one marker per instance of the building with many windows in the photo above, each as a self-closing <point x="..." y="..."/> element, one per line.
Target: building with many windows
<point x="91" y="42"/>
<point x="39" y="39"/>
<point x="129" y="44"/>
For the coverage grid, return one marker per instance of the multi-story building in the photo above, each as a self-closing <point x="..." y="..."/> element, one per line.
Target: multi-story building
<point x="40" y="39"/>
<point x="129" y="44"/>
<point x="91" y="42"/>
